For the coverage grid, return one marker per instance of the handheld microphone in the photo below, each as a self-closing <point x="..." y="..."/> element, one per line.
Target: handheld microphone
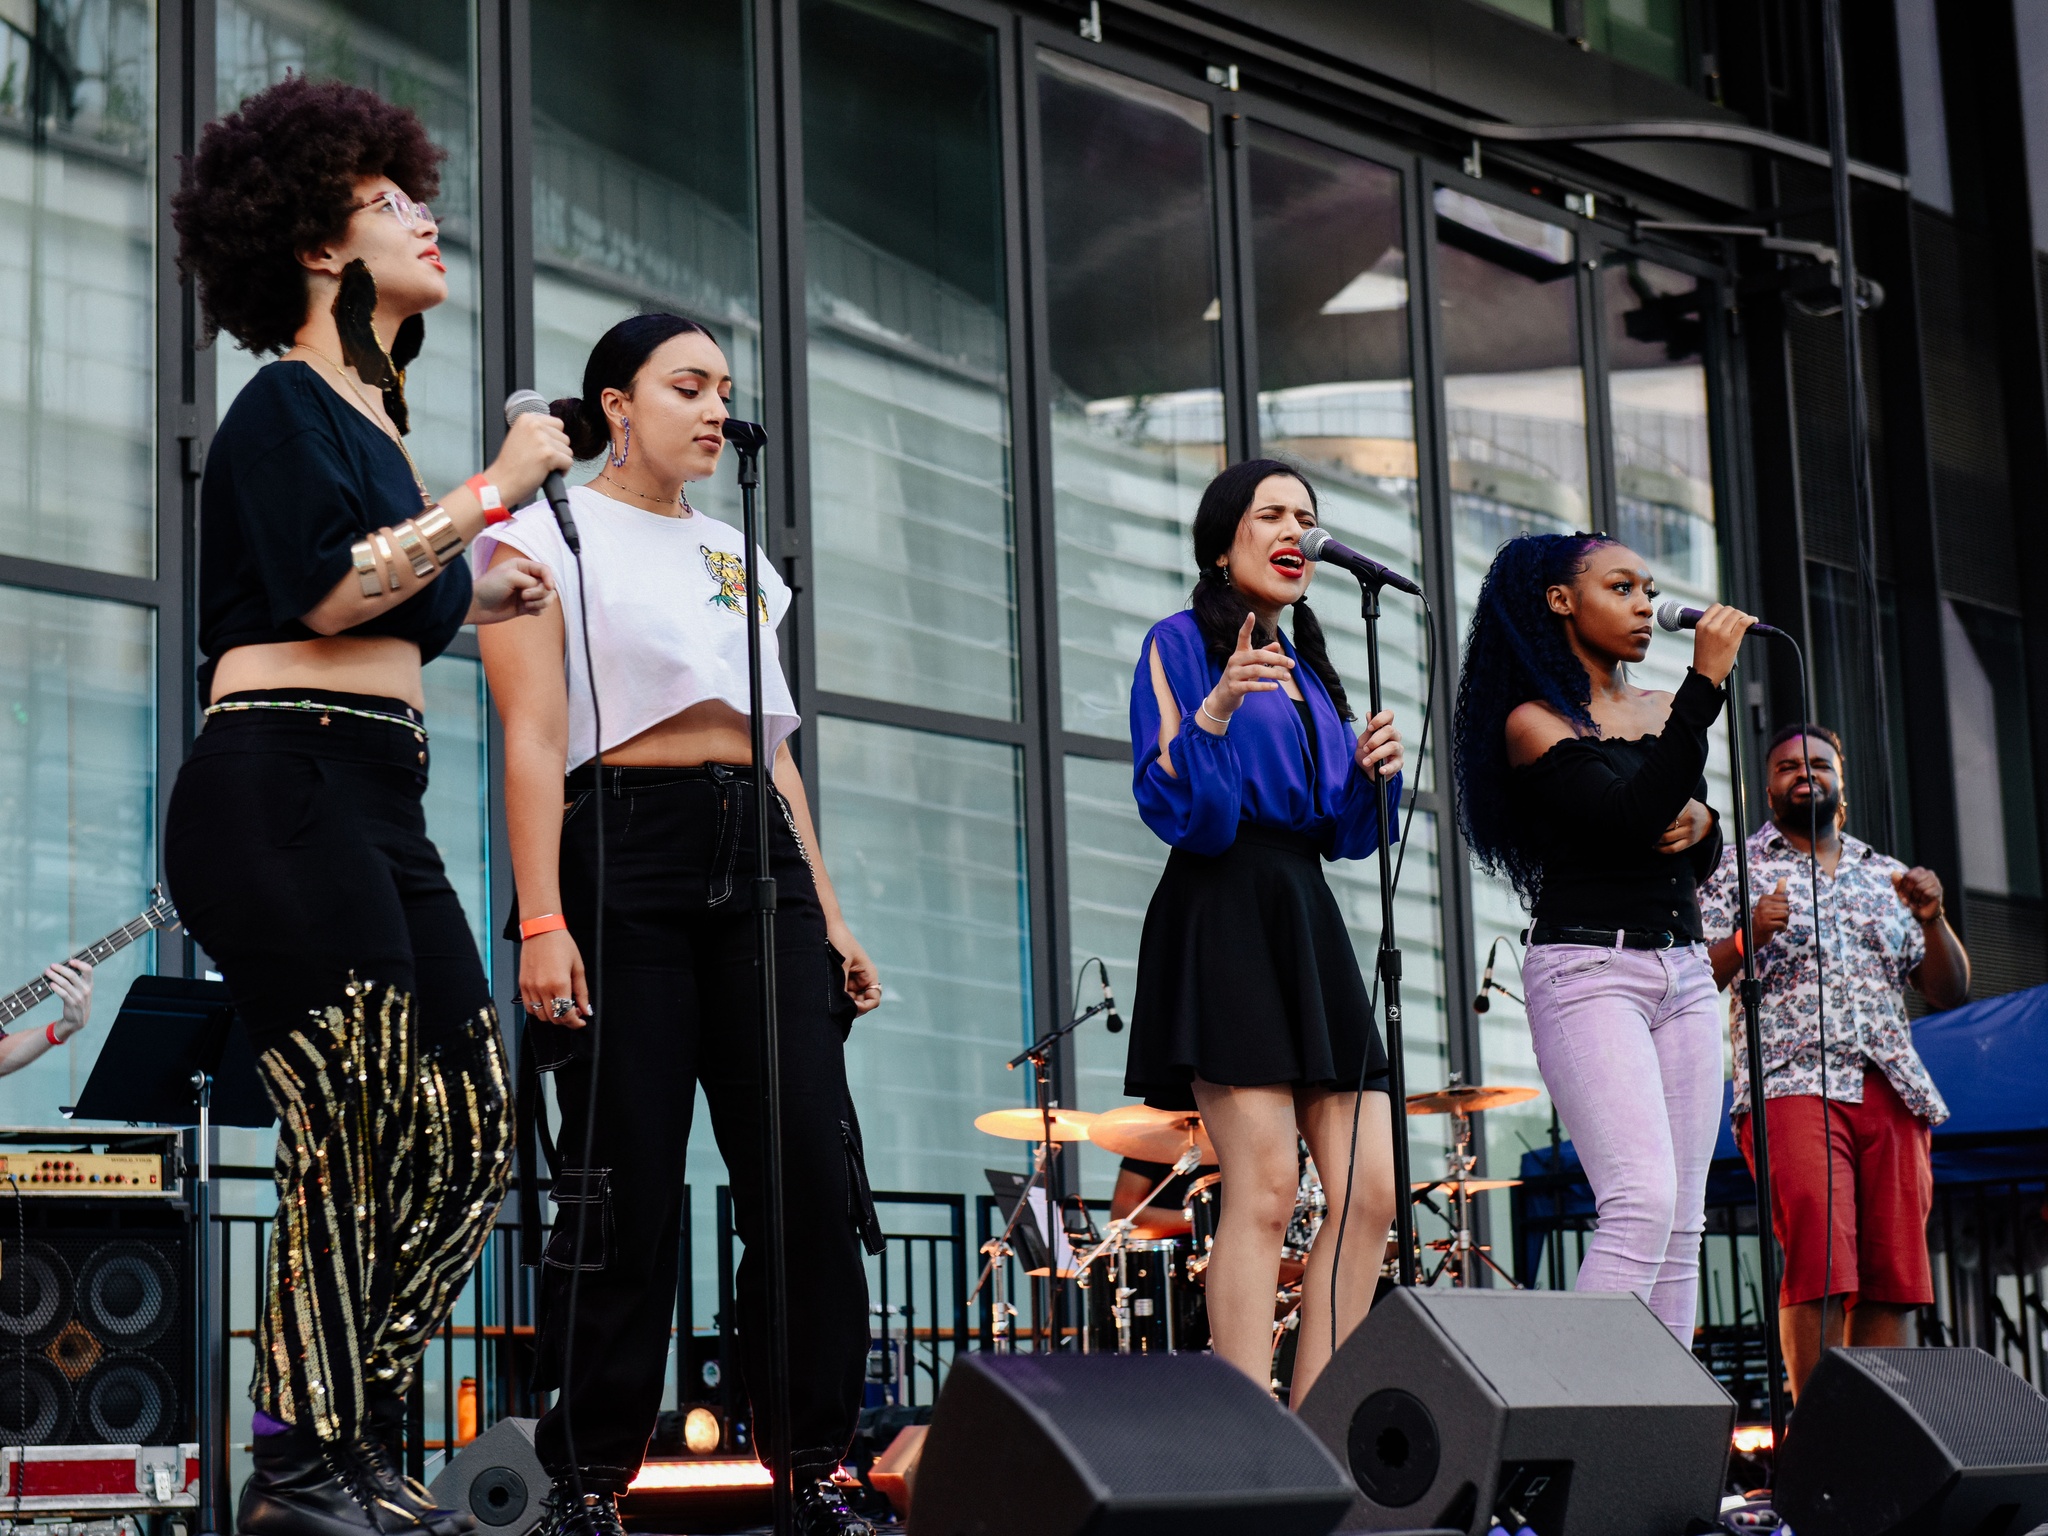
<point x="1317" y="544"/>
<point x="524" y="402"/>
<point x="1673" y="616"/>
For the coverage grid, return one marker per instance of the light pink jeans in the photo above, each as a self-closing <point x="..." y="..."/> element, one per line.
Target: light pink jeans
<point x="1629" y="1043"/>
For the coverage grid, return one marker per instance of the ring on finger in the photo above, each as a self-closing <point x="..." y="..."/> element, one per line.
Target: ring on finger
<point x="560" y="1007"/>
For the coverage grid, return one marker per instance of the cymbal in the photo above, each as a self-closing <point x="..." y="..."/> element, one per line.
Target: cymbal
<point x="1470" y="1186"/>
<point x="1151" y="1135"/>
<point x="1029" y="1124"/>
<point x="1466" y="1099"/>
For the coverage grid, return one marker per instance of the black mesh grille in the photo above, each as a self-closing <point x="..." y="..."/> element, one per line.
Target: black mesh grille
<point x="1820" y="395"/>
<point x="1966" y="425"/>
<point x="2008" y="943"/>
<point x="1985" y="1414"/>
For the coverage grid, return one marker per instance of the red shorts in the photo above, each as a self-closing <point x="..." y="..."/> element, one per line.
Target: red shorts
<point x="1884" y="1189"/>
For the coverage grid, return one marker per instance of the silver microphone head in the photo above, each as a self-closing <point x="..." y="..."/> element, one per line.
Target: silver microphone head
<point x="1671" y="615"/>
<point x="1313" y="541"/>
<point x="523" y="402"/>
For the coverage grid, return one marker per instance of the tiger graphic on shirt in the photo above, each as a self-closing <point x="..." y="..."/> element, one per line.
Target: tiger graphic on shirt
<point x="730" y="572"/>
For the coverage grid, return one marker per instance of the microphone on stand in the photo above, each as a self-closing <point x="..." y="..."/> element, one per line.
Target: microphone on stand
<point x="1482" y="1002"/>
<point x="1674" y="616"/>
<point x="524" y="402"/>
<point x="1115" y="1020"/>
<point x="1317" y="544"/>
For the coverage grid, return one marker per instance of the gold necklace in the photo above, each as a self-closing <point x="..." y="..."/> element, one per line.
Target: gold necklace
<point x="682" y="497"/>
<point x="426" y="498"/>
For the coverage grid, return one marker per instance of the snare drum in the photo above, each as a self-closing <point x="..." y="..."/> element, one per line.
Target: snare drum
<point x="1147" y="1280"/>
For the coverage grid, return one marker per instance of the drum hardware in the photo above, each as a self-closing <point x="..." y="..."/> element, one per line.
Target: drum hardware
<point x="1117" y="1244"/>
<point x="1151" y="1135"/>
<point x="1002" y="1314"/>
<point x="1461" y="1101"/>
<point x="1030" y="1124"/>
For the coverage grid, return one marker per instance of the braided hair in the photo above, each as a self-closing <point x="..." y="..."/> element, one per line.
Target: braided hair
<point x="1219" y="608"/>
<point x="1515" y="651"/>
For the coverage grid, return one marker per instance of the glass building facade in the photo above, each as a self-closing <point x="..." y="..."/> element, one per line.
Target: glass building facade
<point x="1006" y="297"/>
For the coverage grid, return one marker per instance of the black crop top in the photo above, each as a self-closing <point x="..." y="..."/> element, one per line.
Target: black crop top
<point x="1592" y="809"/>
<point x="294" y="477"/>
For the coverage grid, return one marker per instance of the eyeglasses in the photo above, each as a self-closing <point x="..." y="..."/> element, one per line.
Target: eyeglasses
<point x="409" y="214"/>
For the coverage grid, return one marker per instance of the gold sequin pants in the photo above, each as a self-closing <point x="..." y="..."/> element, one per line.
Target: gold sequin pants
<point x="298" y="857"/>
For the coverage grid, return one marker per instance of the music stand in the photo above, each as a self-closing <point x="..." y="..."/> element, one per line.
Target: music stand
<point x="177" y="1055"/>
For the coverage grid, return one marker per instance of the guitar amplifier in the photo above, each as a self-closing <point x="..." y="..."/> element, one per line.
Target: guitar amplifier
<point x="95" y="1320"/>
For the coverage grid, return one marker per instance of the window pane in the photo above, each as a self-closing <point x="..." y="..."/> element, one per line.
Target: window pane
<point x="424" y="56"/>
<point x="1842" y="699"/>
<point x="1137" y="398"/>
<point x="1334" y="389"/>
<point x="909" y="397"/>
<point x="1113" y="865"/>
<point x="633" y="213"/>
<point x="459" y="786"/>
<point x="1985" y="653"/>
<point x="1657" y="396"/>
<point x="924" y="838"/>
<point x="77" y="284"/>
<point x="77" y="813"/>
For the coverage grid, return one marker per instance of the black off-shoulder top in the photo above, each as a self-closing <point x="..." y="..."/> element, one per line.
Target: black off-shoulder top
<point x="294" y="476"/>
<point x="1592" y="808"/>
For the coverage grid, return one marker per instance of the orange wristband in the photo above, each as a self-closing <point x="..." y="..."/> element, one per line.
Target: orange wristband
<point x="534" y="927"/>
<point x="50" y="1033"/>
<point x="1738" y="943"/>
<point x="495" y="510"/>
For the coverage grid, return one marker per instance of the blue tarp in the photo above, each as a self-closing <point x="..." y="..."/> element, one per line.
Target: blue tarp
<point x="1990" y="1060"/>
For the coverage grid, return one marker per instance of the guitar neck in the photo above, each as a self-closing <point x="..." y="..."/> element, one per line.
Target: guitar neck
<point x="22" y="999"/>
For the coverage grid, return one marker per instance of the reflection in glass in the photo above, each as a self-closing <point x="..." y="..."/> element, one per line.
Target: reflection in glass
<point x="1985" y="655"/>
<point x="1335" y="394"/>
<point x="77" y="284"/>
<point x="77" y="812"/>
<point x="1137" y="409"/>
<point x="924" y="838"/>
<point x="1842" y="698"/>
<point x="458" y="787"/>
<point x="643" y="189"/>
<point x="423" y="56"/>
<point x="909" y="399"/>
<point x="1657" y="397"/>
<point x="1113" y="865"/>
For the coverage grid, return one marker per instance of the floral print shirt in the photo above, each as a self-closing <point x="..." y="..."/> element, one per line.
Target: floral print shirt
<point x="1872" y="945"/>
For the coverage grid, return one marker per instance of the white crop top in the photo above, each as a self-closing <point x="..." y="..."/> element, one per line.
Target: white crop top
<point x="665" y="624"/>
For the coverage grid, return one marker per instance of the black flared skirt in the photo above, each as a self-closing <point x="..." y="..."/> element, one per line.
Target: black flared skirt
<point x="1247" y="977"/>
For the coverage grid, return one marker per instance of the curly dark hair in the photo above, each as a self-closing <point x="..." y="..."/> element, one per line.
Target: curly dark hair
<point x="1218" y="607"/>
<point x="1515" y="651"/>
<point x="277" y="177"/>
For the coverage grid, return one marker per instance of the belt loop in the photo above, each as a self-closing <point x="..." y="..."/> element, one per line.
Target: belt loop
<point x="1621" y="938"/>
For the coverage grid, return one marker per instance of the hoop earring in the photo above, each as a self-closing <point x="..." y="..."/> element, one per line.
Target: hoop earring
<point x="625" y="447"/>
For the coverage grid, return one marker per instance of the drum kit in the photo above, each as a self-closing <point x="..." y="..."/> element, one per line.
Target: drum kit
<point x="1144" y="1294"/>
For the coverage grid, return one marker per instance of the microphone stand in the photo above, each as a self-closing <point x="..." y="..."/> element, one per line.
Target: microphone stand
<point x="1750" y="993"/>
<point x="1039" y="1054"/>
<point x="1390" y="954"/>
<point x="749" y="444"/>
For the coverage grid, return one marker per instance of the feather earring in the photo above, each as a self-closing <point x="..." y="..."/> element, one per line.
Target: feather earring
<point x="355" y="305"/>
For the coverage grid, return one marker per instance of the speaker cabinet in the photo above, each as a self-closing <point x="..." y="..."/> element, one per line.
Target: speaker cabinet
<point x="1114" y="1445"/>
<point x="1914" y="1442"/>
<point x="498" y="1479"/>
<point x="95" y="1328"/>
<point x="1569" y="1414"/>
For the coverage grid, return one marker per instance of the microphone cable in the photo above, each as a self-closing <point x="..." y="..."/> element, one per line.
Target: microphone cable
<point x="1372" y="998"/>
<point x="594" y="1024"/>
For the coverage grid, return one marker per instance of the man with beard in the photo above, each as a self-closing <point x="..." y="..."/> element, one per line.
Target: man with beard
<point x="1882" y="927"/>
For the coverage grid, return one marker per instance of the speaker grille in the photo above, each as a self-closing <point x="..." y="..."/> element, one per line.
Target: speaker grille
<point x="1985" y="1414"/>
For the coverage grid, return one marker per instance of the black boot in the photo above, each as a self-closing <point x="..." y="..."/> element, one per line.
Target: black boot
<point x="304" y="1486"/>
<point x="820" y="1510"/>
<point x="595" y="1514"/>
<point x="380" y="1455"/>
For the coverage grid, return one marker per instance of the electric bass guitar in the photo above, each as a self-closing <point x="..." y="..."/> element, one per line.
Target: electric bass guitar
<point x="158" y="914"/>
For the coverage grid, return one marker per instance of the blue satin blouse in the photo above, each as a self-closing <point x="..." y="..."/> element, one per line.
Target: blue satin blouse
<point x="1263" y="769"/>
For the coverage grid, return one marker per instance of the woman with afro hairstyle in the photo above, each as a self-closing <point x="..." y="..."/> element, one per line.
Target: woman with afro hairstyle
<point x="295" y="846"/>
<point x="1249" y="1004"/>
<point x="1588" y="793"/>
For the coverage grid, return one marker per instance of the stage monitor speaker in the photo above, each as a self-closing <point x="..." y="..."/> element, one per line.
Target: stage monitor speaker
<point x="1112" y="1445"/>
<point x="498" y="1479"/>
<point x="1914" y="1442"/>
<point x="95" y="1336"/>
<point x="1569" y="1414"/>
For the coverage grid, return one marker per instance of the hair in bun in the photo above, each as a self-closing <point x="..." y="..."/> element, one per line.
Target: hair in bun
<point x="615" y="362"/>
